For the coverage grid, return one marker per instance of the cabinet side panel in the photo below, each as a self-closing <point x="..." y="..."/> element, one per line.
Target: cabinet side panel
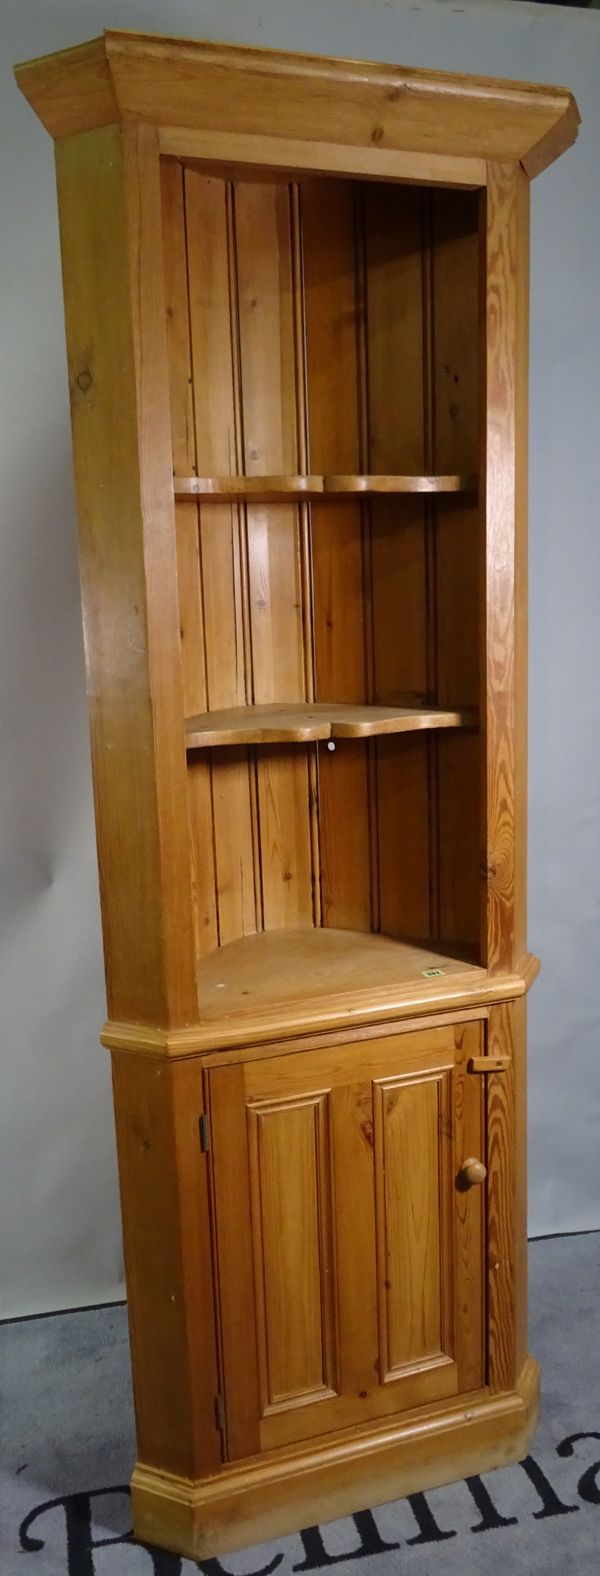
<point x="166" y="1235"/>
<point x="521" y="561"/>
<point x="330" y="295"/>
<point x="505" y="225"/>
<point x="109" y="200"/>
<point x="521" y="1277"/>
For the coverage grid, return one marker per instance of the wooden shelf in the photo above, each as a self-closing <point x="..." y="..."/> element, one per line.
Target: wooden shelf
<point x="299" y="722"/>
<point x="281" y="489"/>
<point x="265" y="975"/>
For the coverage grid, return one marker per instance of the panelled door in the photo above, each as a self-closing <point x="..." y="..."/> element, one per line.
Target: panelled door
<point x="348" y="1237"/>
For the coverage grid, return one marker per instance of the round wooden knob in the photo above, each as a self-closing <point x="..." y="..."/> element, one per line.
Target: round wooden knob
<point x="472" y="1172"/>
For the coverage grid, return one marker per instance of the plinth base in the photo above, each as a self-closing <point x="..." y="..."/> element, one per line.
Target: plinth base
<point x="272" y="1495"/>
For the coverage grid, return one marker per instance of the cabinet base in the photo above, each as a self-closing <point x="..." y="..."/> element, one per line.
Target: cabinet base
<point x="281" y="1493"/>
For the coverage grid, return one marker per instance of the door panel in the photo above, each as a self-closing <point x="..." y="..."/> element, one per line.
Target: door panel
<point x="350" y="1285"/>
<point x="290" y="1184"/>
<point x="412" y="1131"/>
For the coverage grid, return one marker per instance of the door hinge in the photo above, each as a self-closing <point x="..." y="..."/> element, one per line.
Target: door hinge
<point x="204" y="1130"/>
<point x="220" y="1413"/>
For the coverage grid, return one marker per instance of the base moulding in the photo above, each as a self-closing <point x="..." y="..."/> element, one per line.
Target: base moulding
<point x="270" y="1497"/>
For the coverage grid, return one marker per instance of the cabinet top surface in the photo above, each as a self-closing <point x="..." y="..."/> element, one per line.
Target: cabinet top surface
<point x="293" y="100"/>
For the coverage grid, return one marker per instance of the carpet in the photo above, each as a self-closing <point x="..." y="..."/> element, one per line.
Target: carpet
<point x="67" y="1448"/>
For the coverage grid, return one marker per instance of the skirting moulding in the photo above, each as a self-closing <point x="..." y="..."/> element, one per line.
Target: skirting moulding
<point x="296" y="299"/>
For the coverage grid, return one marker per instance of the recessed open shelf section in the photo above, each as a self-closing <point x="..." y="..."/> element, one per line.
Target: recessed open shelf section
<point x="282" y="489"/>
<point x="324" y="354"/>
<point x="258" y="977"/>
<point x="300" y="722"/>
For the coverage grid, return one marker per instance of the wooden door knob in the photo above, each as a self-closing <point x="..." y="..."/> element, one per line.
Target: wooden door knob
<point x="472" y="1172"/>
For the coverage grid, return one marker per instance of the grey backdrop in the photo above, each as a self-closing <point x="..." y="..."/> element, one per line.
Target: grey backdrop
<point x="61" y="1241"/>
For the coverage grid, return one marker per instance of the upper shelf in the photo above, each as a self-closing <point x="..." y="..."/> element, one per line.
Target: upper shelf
<point x="301" y="721"/>
<point x="279" y="489"/>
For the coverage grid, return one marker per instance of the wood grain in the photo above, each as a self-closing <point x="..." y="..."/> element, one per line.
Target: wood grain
<point x="222" y="544"/>
<point x="290" y="1189"/>
<point x="322" y="720"/>
<point x="229" y="154"/>
<point x="279" y="489"/>
<point x="457" y="555"/>
<point x="506" y="254"/>
<point x="166" y="1234"/>
<point x="251" y="92"/>
<point x="189" y="562"/>
<point x="408" y="1128"/>
<point x="316" y="1120"/>
<point x="393" y="308"/>
<point x="233" y="1240"/>
<point x="109" y="202"/>
<point x="332" y="372"/>
<point x="268" y="408"/>
<point x="469" y="1246"/>
<point x="501" y="1202"/>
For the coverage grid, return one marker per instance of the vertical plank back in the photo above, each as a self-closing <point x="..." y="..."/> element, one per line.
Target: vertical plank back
<point x="189" y="564"/>
<point x="331" y="327"/>
<point x="211" y="288"/>
<point x="456" y="385"/>
<point x="268" y="384"/>
<point x="396" y="427"/>
<point x="328" y="226"/>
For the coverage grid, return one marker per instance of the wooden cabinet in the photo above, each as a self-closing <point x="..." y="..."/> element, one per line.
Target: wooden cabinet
<point x="349" y="1243"/>
<point x="296" y="302"/>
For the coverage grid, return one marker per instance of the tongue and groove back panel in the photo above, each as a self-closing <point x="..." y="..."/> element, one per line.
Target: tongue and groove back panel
<point x="328" y="327"/>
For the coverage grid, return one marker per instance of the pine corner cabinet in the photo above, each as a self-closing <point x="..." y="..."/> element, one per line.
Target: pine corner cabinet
<point x="296" y="295"/>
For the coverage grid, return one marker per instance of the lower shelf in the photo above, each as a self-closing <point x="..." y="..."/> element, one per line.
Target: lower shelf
<point x="264" y="975"/>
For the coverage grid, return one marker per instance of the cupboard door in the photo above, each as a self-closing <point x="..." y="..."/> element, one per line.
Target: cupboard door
<point x="349" y="1257"/>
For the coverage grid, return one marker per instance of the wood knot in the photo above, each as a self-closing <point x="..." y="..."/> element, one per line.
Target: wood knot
<point x="490" y="870"/>
<point x="377" y="135"/>
<point x="84" y="380"/>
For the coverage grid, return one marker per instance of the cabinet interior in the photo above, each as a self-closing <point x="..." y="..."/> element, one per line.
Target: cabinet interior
<point x="330" y="330"/>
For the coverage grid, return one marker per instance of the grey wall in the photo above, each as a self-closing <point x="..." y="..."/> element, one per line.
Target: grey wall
<point x="61" y="1240"/>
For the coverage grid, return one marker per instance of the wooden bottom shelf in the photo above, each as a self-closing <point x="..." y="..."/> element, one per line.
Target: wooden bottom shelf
<point x="259" y="978"/>
<point x="301" y="721"/>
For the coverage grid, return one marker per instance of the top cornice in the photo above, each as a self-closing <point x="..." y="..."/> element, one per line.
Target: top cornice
<point x="228" y="90"/>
